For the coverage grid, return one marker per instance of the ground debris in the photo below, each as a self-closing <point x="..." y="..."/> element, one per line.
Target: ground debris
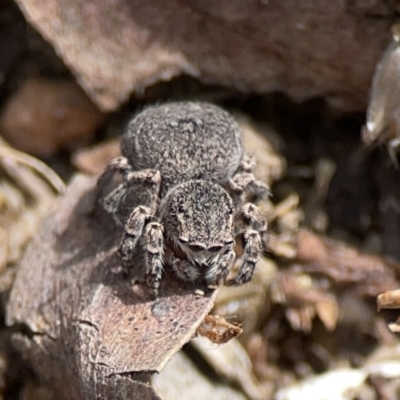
<point x="218" y="330"/>
<point x="261" y="142"/>
<point x="351" y="383"/>
<point x="383" y="109"/>
<point x="305" y="298"/>
<point x="368" y="274"/>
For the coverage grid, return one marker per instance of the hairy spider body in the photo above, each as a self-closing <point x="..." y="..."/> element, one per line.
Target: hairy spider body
<point x="186" y="163"/>
<point x="184" y="141"/>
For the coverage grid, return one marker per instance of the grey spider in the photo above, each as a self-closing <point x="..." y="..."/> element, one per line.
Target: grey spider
<point x="186" y="166"/>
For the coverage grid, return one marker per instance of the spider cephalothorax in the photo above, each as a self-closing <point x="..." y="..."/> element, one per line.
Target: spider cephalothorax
<point x="186" y="164"/>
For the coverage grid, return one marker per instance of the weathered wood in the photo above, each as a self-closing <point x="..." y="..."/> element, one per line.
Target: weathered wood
<point x="303" y="48"/>
<point x="86" y="330"/>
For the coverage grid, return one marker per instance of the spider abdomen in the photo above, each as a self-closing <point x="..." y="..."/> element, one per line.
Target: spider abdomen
<point x="184" y="141"/>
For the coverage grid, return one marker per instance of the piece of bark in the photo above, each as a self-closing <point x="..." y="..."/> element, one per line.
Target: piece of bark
<point x="304" y="49"/>
<point x="87" y="331"/>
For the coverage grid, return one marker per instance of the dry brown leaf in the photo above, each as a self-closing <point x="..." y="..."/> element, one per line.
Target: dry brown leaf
<point x="328" y="312"/>
<point x="218" y="330"/>
<point x="26" y="179"/>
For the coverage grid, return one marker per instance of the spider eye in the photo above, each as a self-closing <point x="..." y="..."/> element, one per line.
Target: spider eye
<point x="215" y="248"/>
<point x="196" y="247"/>
<point x="229" y="242"/>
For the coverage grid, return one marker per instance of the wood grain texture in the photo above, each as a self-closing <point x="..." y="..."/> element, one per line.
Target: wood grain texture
<point x="305" y="49"/>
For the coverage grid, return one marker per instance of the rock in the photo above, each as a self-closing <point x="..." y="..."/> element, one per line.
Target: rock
<point x="45" y="115"/>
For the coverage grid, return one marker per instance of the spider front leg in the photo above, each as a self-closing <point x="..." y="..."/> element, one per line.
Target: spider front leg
<point x="133" y="230"/>
<point x="119" y="164"/>
<point x="183" y="269"/>
<point x="247" y="164"/>
<point x="250" y="216"/>
<point x="252" y="250"/>
<point x="245" y="182"/>
<point x="147" y="237"/>
<point x="139" y="230"/>
<point x="251" y="224"/>
<point x="215" y="274"/>
<point x="218" y="271"/>
<point x="149" y="181"/>
<point x="153" y="248"/>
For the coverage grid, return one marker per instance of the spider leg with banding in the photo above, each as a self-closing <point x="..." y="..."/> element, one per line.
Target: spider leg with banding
<point x="140" y="231"/>
<point x="243" y="183"/>
<point x="120" y="165"/>
<point x="247" y="164"/>
<point x="217" y="273"/>
<point x="145" y="236"/>
<point x="251" y="225"/>
<point x="149" y="181"/>
<point x="153" y="249"/>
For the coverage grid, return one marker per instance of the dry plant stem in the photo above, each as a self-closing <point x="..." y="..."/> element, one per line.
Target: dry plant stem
<point x="27" y="190"/>
<point x="87" y="331"/>
<point x="40" y="167"/>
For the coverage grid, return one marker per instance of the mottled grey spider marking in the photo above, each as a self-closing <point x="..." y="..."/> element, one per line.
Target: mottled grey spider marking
<point x="186" y="165"/>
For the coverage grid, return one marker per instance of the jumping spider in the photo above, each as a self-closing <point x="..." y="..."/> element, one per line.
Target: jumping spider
<point x="186" y="164"/>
